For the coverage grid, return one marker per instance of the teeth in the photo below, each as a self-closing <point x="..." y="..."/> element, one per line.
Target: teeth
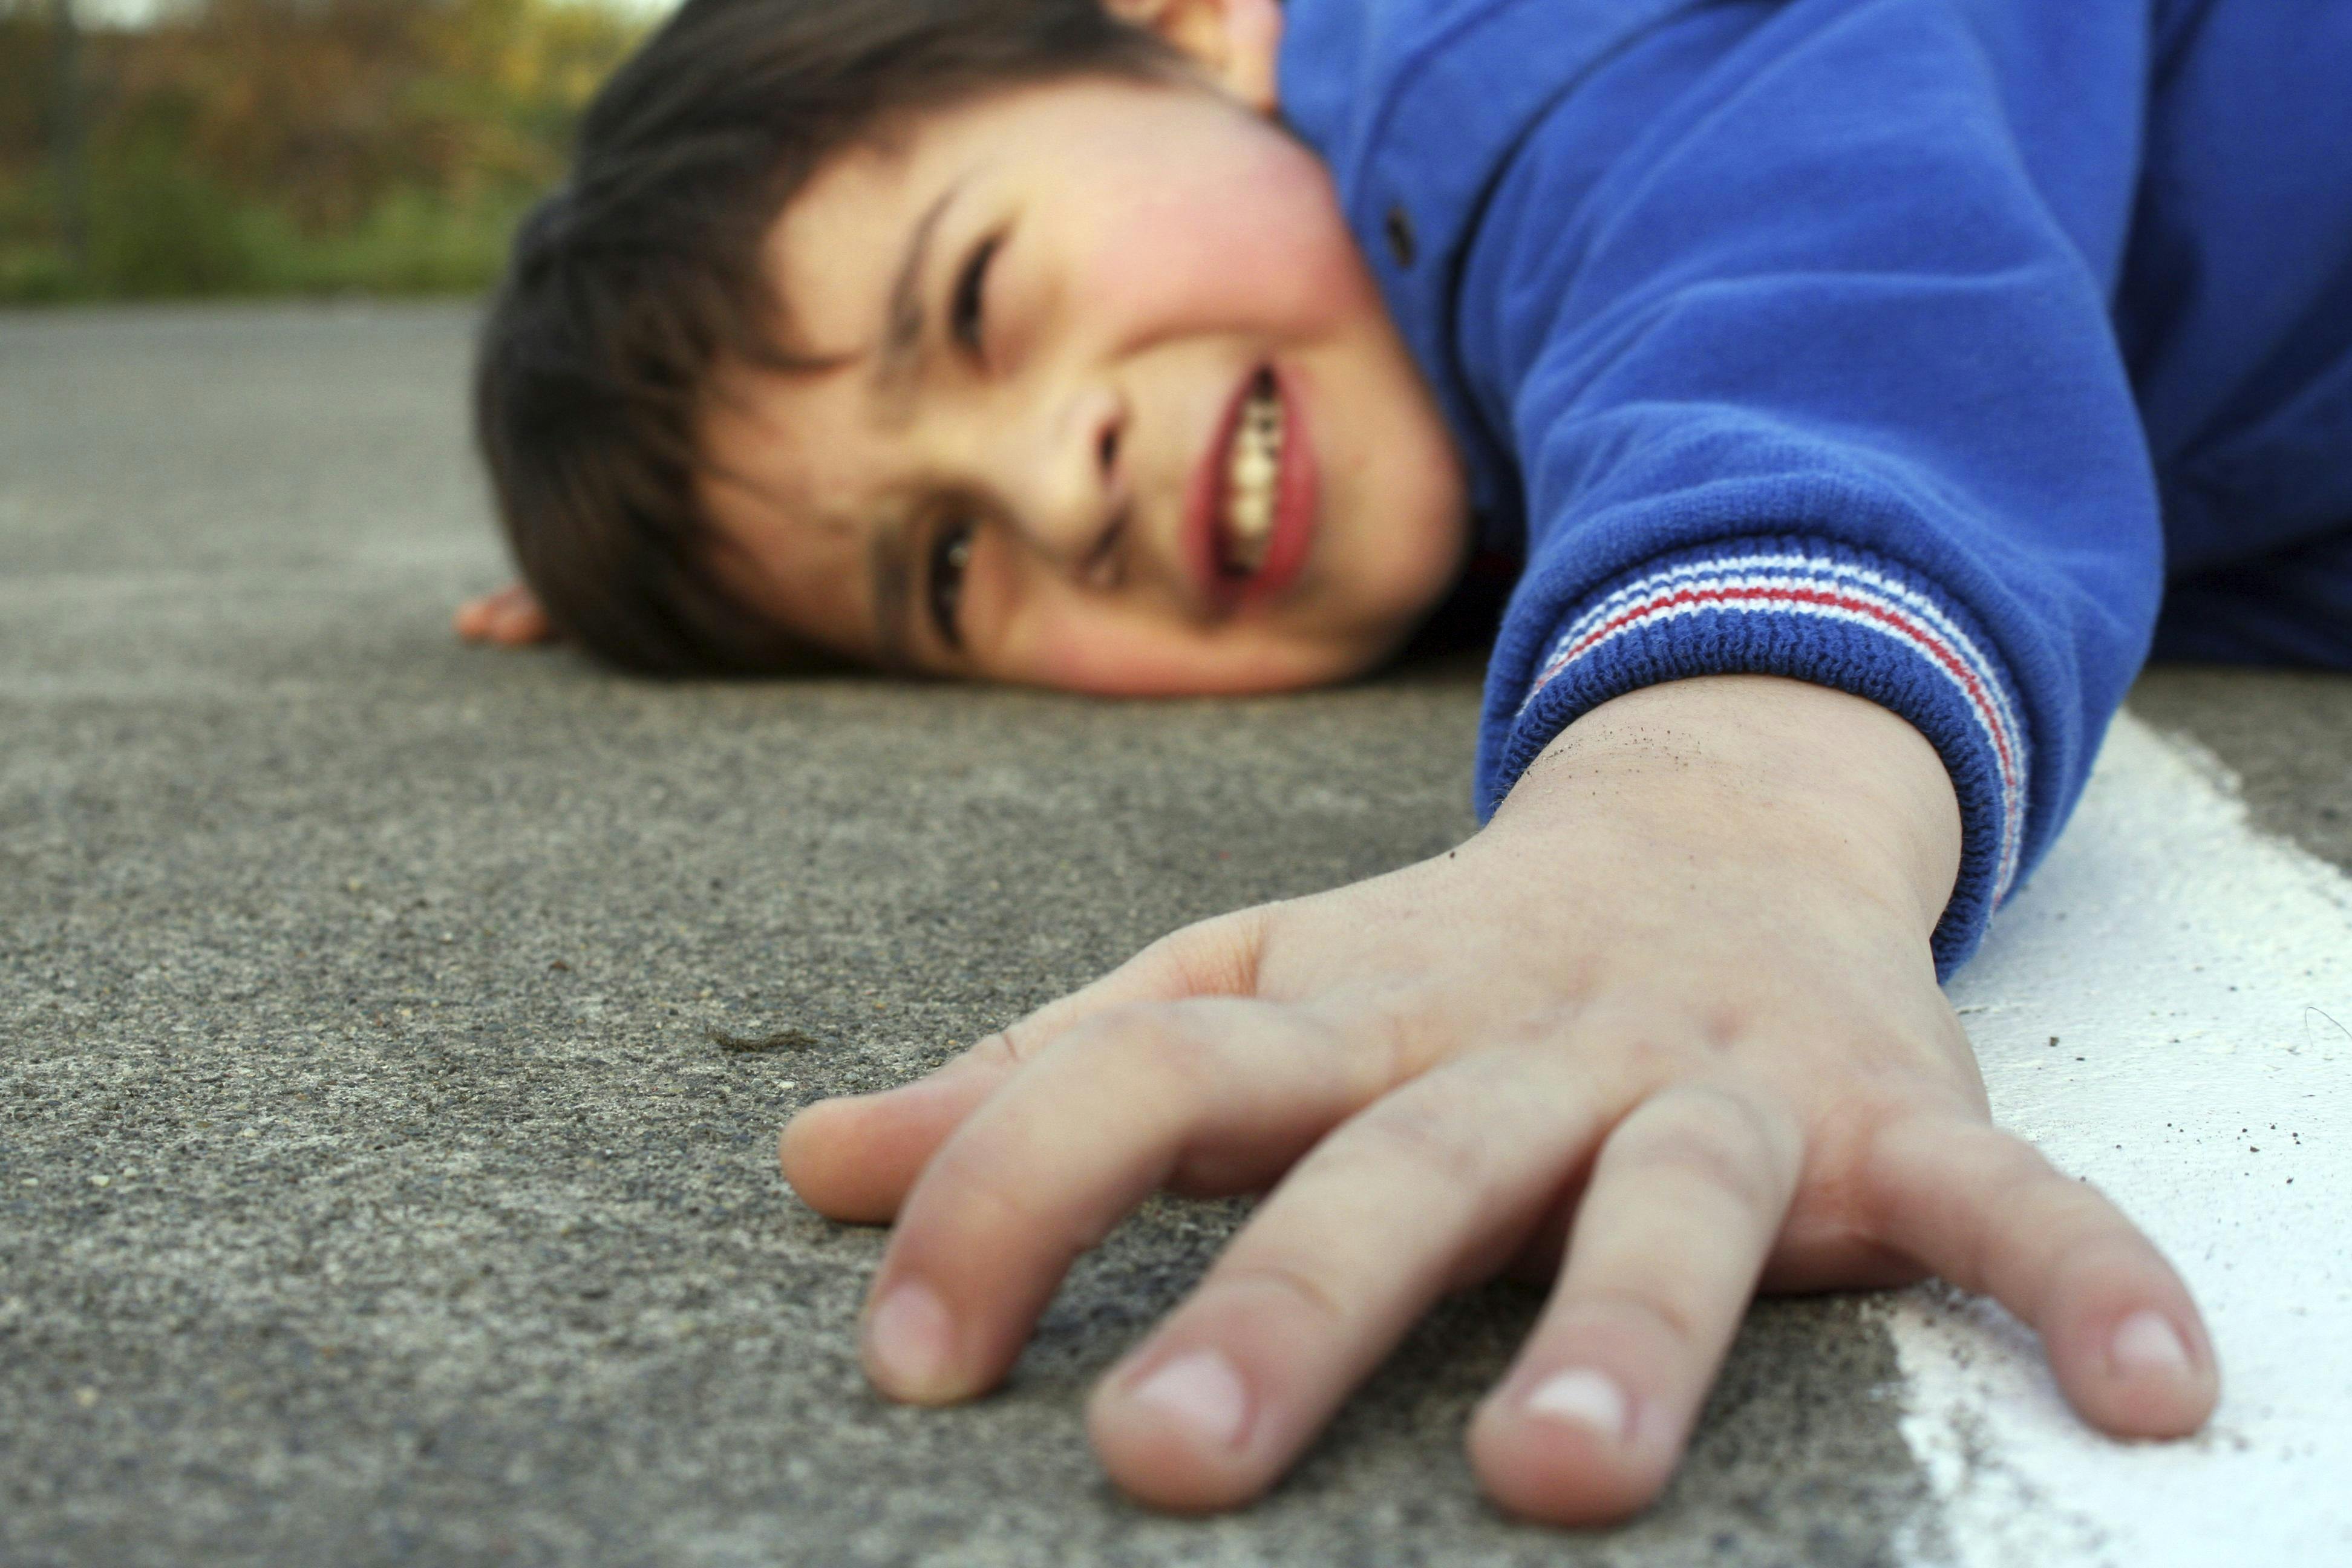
<point x="1250" y="475"/>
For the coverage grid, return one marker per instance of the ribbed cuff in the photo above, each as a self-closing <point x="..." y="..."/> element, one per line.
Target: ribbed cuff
<point x="1813" y="611"/>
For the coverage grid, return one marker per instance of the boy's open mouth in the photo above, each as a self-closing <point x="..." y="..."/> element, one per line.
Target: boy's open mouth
<point x="1253" y="463"/>
<point x="1255" y="494"/>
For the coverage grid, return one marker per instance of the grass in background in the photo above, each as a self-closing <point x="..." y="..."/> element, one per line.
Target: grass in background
<point x="294" y="146"/>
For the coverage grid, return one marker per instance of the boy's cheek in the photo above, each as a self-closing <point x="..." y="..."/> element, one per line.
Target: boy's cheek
<point x="1270" y="250"/>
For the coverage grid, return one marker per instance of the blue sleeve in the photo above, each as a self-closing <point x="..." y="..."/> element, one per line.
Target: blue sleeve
<point x="1816" y="379"/>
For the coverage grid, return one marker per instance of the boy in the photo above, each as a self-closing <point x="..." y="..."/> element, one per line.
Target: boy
<point x="1830" y="362"/>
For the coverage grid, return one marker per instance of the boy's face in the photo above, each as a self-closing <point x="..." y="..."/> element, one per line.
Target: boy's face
<point x="1043" y="490"/>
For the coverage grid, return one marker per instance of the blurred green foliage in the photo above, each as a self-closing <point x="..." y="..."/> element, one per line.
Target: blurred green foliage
<point x="292" y="146"/>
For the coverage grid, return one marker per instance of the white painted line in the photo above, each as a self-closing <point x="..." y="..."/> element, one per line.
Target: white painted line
<point x="2196" y="976"/>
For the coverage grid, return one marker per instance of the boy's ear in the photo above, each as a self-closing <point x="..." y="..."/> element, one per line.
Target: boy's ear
<point x="1234" y="42"/>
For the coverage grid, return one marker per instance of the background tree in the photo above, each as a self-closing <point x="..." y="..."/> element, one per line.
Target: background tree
<point x="260" y="146"/>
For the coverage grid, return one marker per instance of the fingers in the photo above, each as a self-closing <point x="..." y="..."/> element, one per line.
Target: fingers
<point x="1043" y="1169"/>
<point x="1685" y="1201"/>
<point x="1986" y="1212"/>
<point x="1424" y="1190"/>
<point x="511" y="617"/>
<point x="854" y="1158"/>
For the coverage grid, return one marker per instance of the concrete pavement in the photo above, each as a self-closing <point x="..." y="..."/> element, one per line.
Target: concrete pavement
<point x="370" y="1189"/>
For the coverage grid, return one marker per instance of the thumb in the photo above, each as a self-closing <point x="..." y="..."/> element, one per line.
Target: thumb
<point x="854" y="1158"/>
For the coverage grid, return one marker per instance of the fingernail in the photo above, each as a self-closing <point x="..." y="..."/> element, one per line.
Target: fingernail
<point x="2145" y="1342"/>
<point x="907" y="1340"/>
<point x="1583" y="1397"/>
<point x="1201" y="1393"/>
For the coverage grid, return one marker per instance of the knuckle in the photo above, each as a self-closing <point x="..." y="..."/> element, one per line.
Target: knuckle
<point x="1154" y="1042"/>
<point x="1650" y="1058"/>
<point x="1433" y="1131"/>
<point x="986" y="1199"/>
<point x="1385" y="1034"/>
<point x="1142" y="1049"/>
<point x="1655" y="1310"/>
<point x="2004" y="1165"/>
<point x="1417" y="1138"/>
<point x="2069" y="1212"/>
<point x="1296" y="1285"/>
<point x="1014" y="1046"/>
<point x="1401" y="1052"/>
<point x="983" y="1195"/>
<point x="1216" y="957"/>
<point x="1726" y="1139"/>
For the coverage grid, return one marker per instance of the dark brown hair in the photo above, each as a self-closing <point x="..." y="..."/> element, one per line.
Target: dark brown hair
<point x="630" y="284"/>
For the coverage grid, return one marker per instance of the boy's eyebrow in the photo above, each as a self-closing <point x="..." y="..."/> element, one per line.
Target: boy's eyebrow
<point x="902" y="332"/>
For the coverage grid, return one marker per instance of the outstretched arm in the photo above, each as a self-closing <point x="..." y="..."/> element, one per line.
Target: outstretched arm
<point x="1672" y="1013"/>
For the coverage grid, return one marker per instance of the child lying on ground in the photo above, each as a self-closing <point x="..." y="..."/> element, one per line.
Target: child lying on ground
<point x="1846" y="374"/>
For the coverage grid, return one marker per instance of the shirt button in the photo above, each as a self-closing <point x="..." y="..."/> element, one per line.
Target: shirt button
<point x="1399" y="229"/>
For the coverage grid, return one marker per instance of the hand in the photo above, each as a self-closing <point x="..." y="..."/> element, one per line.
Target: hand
<point x="1672" y="1011"/>
<point x="511" y="617"/>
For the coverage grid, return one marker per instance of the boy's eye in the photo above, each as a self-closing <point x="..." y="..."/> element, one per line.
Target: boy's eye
<point x="944" y="581"/>
<point x="966" y="316"/>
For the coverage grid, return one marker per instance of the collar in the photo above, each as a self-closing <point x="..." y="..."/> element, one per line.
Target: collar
<point x="1417" y="107"/>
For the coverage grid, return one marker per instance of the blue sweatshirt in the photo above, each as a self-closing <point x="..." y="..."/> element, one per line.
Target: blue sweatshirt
<point x="1901" y="346"/>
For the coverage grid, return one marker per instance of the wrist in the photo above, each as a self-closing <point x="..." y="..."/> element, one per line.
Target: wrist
<point x="1847" y="784"/>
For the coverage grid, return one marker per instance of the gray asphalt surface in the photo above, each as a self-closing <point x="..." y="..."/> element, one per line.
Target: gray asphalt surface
<point x="371" y="1190"/>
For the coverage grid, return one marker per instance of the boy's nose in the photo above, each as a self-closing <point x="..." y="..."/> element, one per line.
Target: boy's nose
<point x="1067" y="489"/>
